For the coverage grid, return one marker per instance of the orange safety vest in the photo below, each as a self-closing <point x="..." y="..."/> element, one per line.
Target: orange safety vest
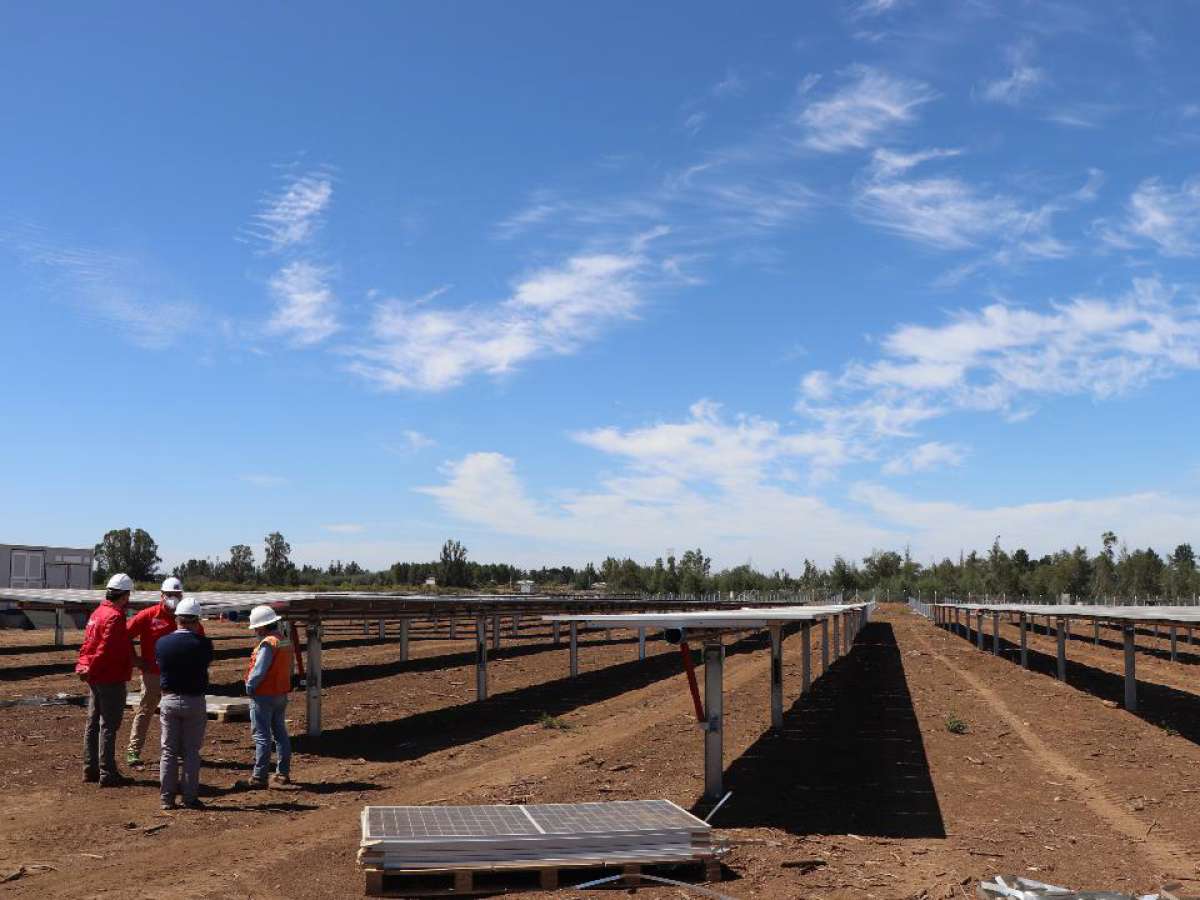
<point x="278" y="679"/>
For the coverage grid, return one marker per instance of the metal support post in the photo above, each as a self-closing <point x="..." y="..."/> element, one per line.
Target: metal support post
<point x="313" y="676"/>
<point x="481" y="678"/>
<point x="1024" y="627"/>
<point x="824" y="645"/>
<point x="979" y="629"/>
<point x="837" y="635"/>
<point x="847" y="626"/>
<point x="516" y="625"/>
<point x="714" y="757"/>
<point x="1062" y="650"/>
<point x="642" y="642"/>
<point x="995" y="634"/>
<point x="1174" y="643"/>
<point x="776" y="676"/>
<point x="381" y="629"/>
<point x="453" y="628"/>
<point x="496" y="631"/>
<point x="1130" y="669"/>
<point x="404" y="640"/>
<point x="60" y="624"/>
<point x="556" y="633"/>
<point x="1096" y="632"/>
<point x="574" y="649"/>
<point x="805" y="657"/>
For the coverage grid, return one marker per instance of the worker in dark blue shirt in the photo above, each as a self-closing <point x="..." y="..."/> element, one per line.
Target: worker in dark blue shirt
<point x="183" y="658"/>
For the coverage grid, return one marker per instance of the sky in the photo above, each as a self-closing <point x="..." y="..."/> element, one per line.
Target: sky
<point x="776" y="280"/>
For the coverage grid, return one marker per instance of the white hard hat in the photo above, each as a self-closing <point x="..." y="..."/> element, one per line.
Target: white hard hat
<point x="188" y="607"/>
<point x="263" y="615"/>
<point x="172" y="586"/>
<point x="120" y="582"/>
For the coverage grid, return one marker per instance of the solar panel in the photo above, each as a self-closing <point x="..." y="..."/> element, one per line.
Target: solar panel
<point x="393" y="823"/>
<point x="623" y="815"/>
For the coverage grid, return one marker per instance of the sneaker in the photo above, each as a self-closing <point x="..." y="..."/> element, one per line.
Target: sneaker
<point x="117" y="780"/>
<point x="133" y="758"/>
<point x="91" y="777"/>
<point x="256" y="783"/>
<point x="194" y="803"/>
<point x="169" y="803"/>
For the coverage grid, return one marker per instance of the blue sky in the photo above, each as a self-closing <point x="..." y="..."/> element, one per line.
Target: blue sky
<point x="783" y="281"/>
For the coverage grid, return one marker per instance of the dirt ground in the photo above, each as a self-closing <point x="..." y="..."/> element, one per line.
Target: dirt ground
<point x="864" y="793"/>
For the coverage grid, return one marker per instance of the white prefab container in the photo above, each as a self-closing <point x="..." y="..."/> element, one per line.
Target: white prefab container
<point x="31" y="566"/>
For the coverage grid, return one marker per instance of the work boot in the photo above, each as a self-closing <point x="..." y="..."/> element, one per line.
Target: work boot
<point x="169" y="803"/>
<point x="256" y="783"/>
<point x="280" y="778"/>
<point x="115" y="780"/>
<point x="133" y="758"/>
<point x="194" y="803"/>
<point x="90" y="777"/>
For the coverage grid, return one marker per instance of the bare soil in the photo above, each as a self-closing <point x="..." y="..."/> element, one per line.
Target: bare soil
<point x="864" y="793"/>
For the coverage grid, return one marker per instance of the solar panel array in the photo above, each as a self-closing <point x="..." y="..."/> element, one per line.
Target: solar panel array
<point x="481" y="837"/>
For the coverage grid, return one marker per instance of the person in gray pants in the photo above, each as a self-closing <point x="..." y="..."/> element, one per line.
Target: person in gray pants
<point x="183" y="658"/>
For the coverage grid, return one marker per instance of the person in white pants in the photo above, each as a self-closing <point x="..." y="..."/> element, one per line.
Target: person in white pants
<point x="183" y="658"/>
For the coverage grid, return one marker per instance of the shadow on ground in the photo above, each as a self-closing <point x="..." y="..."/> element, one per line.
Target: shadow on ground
<point x="849" y="759"/>
<point x="427" y="732"/>
<point x="1158" y="704"/>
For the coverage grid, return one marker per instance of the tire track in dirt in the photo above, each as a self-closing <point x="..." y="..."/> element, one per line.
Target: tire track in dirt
<point x="1166" y="855"/>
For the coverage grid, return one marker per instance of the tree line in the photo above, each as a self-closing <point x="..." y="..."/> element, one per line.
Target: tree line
<point x="1114" y="571"/>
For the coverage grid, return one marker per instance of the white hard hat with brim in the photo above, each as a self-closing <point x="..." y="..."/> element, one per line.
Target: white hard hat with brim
<point x="263" y="615"/>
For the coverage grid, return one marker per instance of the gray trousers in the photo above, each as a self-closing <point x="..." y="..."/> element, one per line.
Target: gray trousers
<point x="183" y="722"/>
<point x="106" y="706"/>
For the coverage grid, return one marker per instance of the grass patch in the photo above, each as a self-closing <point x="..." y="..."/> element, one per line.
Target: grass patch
<point x="955" y="725"/>
<point x="554" y="723"/>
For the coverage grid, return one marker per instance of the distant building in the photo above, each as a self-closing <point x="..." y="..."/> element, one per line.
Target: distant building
<point x="430" y="581"/>
<point x="600" y="586"/>
<point x="31" y="566"/>
<point x="525" y="586"/>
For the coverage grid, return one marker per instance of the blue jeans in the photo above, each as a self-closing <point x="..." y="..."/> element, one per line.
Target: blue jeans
<point x="267" y="724"/>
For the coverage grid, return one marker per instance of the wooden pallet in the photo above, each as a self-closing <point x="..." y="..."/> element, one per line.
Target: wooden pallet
<point x="494" y="880"/>
<point x="223" y="709"/>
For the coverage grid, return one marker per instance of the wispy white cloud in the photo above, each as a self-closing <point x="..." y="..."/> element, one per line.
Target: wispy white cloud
<point x="410" y="442"/>
<point x="551" y="311"/>
<point x="869" y="8"/>
<point x="1160" y="216"/>
<point x="1022" y="81"/>
<point x="695" y="121"/>
<point x="938" y="529"/>
<point x="292" y="216"/>
<point x="345" y="528"/>
<point x="924" y="457"/>
<point x="116" y="291"/>
<point x="868" y="107"/>
<point x="723" y="483"/>
<point x="948" y="213"/>
<point x="732" y="85"/>
<point x="304" y="304"/>
<point x="1004" y="359"/>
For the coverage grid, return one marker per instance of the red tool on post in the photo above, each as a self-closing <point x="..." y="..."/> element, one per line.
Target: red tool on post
<point x="691" y="675"/>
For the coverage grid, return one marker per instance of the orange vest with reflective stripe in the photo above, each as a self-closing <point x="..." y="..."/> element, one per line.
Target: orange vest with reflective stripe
<point x="278" y="679"/>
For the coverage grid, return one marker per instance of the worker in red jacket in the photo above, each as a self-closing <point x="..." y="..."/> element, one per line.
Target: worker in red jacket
<point x="106" y="663"/>
<point x="146" y="627"/>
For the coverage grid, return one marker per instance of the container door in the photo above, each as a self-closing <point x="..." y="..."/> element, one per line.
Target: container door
<point x="27" y="569"/>
<point x="80" y="577"/>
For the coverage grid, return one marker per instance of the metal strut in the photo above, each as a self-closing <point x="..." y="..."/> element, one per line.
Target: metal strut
<point x="691" y="676"/>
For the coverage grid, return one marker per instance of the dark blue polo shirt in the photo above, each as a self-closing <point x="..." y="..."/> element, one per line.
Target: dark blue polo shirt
<point x="183" y="658"/>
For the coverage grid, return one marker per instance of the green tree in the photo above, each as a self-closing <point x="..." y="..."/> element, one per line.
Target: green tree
<point x="241" y="563"/>
<point x="693" y="571"/>
<point x="452" y="568"/>
<point x="128" y="550"/>
<point x="277" y="567"/>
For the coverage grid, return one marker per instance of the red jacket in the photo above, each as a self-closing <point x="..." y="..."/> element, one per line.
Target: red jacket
<point x="150" y="624"/>
<point x="107" y="652"/>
